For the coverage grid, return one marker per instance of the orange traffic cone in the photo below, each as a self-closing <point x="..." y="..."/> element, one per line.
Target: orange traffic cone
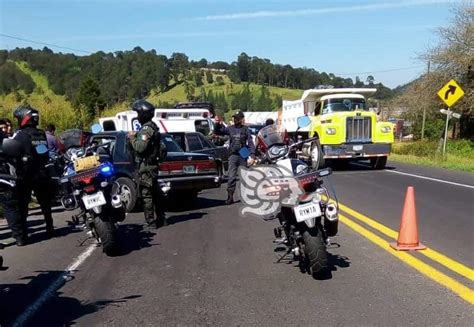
<point x="408" y="235"/>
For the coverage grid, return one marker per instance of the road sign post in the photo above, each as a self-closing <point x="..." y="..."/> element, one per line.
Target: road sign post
<point x="448" y="114"/>
<point x="450" y="93"/>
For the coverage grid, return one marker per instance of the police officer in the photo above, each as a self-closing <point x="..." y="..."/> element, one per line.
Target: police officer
<point x="146" y="145"/>
<point x="9" y="196"/>
<point x="239" y="137"/>
<point x="33" y="170"/>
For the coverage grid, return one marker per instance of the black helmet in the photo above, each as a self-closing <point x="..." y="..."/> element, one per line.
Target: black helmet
<point x="145" y="110"/>
<point x="26" y="116"/>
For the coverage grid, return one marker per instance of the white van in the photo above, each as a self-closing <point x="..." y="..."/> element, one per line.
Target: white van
<point x="168" y="120"/>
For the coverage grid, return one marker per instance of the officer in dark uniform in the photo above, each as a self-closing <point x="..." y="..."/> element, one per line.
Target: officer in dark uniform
<point x="146" y="145"/>
<point x="239" y="137"/>
<point x="33" y="170"/>
<point x="9" y="196"/>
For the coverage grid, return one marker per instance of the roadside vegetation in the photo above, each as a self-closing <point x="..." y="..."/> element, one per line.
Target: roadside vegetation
<point x="460" y="154"/>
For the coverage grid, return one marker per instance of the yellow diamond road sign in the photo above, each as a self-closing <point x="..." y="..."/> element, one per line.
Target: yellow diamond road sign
<point x="451" y="93"/>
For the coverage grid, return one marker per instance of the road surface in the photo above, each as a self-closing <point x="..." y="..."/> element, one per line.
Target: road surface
<point x="211" y="266"/>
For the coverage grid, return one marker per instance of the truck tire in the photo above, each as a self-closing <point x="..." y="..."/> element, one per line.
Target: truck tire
<point x="129" y="196"/>
<point x="315" y="251"/>
<point x="317" y="156"/>
<point x="107" y="234"/>
<point x="379" y="162"/>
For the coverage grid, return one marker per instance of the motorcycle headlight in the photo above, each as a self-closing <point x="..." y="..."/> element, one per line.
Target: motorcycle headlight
<point x="330" y="131"/>
<point x="386" y="129"/>
<point x="277" y="151"/>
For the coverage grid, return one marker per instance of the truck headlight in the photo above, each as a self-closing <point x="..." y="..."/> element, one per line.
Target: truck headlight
<point x="330" y="131"/>
<point x="386" y="129"/>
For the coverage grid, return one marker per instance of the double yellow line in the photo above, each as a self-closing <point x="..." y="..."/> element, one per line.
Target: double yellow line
<point x="450" y="283"/>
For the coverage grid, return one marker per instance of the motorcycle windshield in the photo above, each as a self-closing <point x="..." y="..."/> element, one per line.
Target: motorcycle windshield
<point x="271" y="135"/>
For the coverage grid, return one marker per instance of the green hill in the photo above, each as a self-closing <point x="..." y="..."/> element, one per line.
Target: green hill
<point x="53" y="108"/>
<point x="59" y="110"/>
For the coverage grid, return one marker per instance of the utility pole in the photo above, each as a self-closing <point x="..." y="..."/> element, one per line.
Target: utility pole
<point x="424" y="107"/>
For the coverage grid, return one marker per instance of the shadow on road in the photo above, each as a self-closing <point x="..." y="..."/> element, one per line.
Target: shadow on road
<point x="334" y="262"/>
<point x="133" y="237"/>
<point x="342" y="165"/>
<point x="37" y="231"/>
<point x="57" y="310"/>
<point x="182" y="218"/>
<point x="180" y="205"/>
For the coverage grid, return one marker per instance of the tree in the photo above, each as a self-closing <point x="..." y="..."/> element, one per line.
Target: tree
<point x="452" y="58"/>
<point x="197" y="77"/>
<point x="370" y="80"/>
<point x="189" y="90"/>
<point x="264" y="101"/>
<point x="243" y="67"/>
<point x="209" y="77"/>
<point x="220" y="80"/>
<point x="89" y="96"/>
<point x="179" y="64"/>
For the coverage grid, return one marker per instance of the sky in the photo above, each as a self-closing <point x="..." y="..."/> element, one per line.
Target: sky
<point x="382" y="38"/>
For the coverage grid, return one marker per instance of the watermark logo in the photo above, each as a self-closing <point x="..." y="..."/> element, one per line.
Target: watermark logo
<point x="263" y="189"/>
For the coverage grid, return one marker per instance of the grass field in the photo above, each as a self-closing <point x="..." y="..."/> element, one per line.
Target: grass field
<point x="460" y="154"/>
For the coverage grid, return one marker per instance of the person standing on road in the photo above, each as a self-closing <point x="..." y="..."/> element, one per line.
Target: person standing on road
<point x="239" y="137"/>
<point x="146" y="145"/>
<point x="53" y="145"/>
<point x="9" y="196"/>
<point x="34" y="173"/>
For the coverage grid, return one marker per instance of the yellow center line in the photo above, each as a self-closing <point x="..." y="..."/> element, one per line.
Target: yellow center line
<point x="449" y="263"/>
<point x="464" y="292"/>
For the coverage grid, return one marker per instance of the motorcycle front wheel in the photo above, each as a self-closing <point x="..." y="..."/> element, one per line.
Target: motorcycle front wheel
<point x="315" y="251"/>
<point x="107" y="234"/>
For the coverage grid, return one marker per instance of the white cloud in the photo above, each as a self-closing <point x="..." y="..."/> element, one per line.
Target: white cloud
<point x="143" y="36"/>
<point x="328" y="10"/>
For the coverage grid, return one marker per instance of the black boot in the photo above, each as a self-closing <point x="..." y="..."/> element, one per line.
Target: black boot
<point x="230" y="197"/>
<point x="161" y="220"/>
<point x="21" y="241"/>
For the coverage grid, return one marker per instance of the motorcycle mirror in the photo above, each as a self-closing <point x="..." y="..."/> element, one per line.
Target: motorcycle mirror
<point x="303" y="121"/>
<point x="96" y="128"/>
<point x="12" y="148"/>
<point x="41" y="149"/>
<point x="244" y="153"/>
<point x="324" y="172"/>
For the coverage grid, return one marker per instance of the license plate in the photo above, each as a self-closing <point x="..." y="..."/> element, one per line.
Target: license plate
<point x="189" y="169"/>
<point x="307" y="211"/>
<point x="357" y="147"/>
<point x="93" y="200"/>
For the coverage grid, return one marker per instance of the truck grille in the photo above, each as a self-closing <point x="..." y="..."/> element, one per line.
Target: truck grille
<point x="358" y="129"/>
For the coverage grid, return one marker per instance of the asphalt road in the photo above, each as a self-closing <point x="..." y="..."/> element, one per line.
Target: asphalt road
<point x="214" y="267"/>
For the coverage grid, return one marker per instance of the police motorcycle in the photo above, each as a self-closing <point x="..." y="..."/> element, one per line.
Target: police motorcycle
<point x="306" y="214"/>
<point x="88" y="185"/>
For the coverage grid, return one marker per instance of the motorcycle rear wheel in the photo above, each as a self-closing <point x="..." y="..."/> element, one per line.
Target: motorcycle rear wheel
<point x="315" y="251"/>
<point x="107" y="234"/>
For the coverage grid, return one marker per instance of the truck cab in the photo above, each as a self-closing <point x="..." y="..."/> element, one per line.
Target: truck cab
<point x="345" y="127"/>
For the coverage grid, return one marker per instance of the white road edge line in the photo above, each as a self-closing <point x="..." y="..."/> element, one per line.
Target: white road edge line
<point x="49" y="292"/>
<point x="429" y="178"/>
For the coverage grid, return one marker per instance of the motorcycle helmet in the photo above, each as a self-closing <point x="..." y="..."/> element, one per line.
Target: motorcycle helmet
<point x="26" y="116"/>
<point x="145" y="111"/>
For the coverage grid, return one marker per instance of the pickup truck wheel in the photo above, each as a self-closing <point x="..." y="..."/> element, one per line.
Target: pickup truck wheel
<point x="129" y="193"/>
<point x="317" y="156"/>
<point x="379" y="162"/>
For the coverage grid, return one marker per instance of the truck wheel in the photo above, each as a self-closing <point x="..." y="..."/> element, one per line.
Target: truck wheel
<point x="379" y="162"/>
<point x="129" y="193"/>
<point x="317" y="157"/>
